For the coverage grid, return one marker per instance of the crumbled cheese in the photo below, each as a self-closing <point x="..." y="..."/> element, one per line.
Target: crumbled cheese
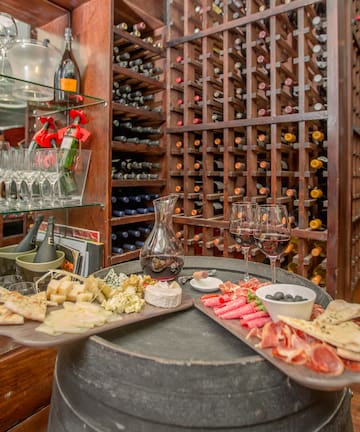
<point x="123" y="302"/>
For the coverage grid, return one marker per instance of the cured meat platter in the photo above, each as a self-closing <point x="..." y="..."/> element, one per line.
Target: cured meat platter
<point x="27" y="335"/>
<point x="298" y="373"/>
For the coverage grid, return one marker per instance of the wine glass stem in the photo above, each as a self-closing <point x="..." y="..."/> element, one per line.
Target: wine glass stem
<point x="3" y="52"/>
<point x="245" y="251"/>
<point x="273" y="269"/>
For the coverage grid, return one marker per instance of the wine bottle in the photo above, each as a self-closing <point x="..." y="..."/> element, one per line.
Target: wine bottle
<point x="197" y="208"/>
<point x="262" y="139"/>
<point x="319" y="274"/>
<point x="316" y="193"/>
<point x="316" y="225"/>
<point x="239" y="191"/>
<point x="289" y="137"/>
<point x="119" y="235"/>
<point x="29" y="241"/>
<point x="197" y="165"/>
<point x="47" y="249"/>
<point x="117" y="250"/>
<point x="292" y="246"/>
<point x="319" y="162"/>
<point x="134" y="233"/>
<point x="319" y="249"/>
<point x="179" y="234"/>
<point x="67" y="75"/>
<point x="292" y="267"/>
<point x="36" y="141"/>
<point x="263" y="190"/>
<point x="317" y="137"/>
<point x="69" y="146"/>
<point x="129" y="247"/>
<point x="217" y="208"/>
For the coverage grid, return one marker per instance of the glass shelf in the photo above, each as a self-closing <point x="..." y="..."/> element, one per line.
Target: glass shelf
<point x="18" y="95"/>
<point x="66" y="205"/>
<point x="19" y="101"/>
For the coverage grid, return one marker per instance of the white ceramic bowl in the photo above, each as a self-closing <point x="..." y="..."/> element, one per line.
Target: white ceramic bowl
<point x="296" y="309"/>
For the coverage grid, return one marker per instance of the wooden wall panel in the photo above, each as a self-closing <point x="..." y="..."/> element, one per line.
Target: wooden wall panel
<point x="26" y="380"/>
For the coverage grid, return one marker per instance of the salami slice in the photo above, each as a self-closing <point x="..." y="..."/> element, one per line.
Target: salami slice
<point x="217" y="301"/>
<point x="257" y="322"/>
<point x="231" y="305"/>
<point x="254" y="315"/>
<point x="239" y="312"/>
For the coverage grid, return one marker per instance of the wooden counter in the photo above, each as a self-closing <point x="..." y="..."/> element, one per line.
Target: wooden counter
<point x="25" y="387"/>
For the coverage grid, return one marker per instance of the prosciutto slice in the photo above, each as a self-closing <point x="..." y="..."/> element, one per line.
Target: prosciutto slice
<point x="323" y="358"/>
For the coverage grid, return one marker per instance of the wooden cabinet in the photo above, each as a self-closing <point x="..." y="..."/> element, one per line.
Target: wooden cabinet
<point x="26" y="381"/>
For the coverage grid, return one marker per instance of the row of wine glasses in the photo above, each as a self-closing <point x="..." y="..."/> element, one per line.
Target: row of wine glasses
<point x="29" y="179"/>
<point x="266" y="226"/>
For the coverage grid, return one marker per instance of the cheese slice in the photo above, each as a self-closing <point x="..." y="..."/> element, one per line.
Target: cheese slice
<point x="343" y="335"/>
<point x="163" y="295"/>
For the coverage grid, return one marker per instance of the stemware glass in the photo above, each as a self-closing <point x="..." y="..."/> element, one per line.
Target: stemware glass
<point x="272" y="232"/>
<point x="19" y="176"/>
<point x="8" y="35"/>
<point x="49" y="166"/>
<point x="242" y="225"/>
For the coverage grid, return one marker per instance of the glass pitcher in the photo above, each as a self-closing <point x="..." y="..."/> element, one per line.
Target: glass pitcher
<point x="162" y="256"/>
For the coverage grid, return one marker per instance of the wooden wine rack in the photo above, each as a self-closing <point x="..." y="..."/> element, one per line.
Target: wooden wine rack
<point x="242" y="81"/>
<point x="149" y="48"/>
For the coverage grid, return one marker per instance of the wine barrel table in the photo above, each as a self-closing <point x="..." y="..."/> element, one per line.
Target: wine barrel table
<point x="184" y="372"/>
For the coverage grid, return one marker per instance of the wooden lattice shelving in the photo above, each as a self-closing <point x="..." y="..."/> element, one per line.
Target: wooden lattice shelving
<point x="263" y="86"/>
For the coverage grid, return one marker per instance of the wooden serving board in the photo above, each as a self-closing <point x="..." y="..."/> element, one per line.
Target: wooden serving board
<point x="298" y="373"/>
<point x="26" y="334"/>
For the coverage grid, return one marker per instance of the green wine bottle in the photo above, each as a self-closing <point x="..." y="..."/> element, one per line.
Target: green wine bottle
<point x="29" y="241"/>
<point x="68" y="151"/>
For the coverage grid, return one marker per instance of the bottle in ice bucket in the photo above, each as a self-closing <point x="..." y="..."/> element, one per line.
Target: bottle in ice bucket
<point x="162" y="256"/>
<point x="70" y="144"/>
<point x="47" y="249"/>
<point x="29" y="241"/>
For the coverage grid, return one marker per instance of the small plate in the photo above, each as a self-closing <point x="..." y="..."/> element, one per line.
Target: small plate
<point x="206" y="285"/>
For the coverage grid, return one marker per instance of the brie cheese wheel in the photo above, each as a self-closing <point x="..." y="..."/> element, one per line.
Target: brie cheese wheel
<point x="163" y="295"/>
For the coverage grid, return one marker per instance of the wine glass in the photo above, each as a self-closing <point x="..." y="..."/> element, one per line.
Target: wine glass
<point x="8" y="35"/>
<point x="242" y="225"/>
<point x="50" y="172"/>
<point x="272" y="232"/>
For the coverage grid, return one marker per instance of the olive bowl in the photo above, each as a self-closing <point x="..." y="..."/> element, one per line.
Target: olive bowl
<point x="290" y="305"/>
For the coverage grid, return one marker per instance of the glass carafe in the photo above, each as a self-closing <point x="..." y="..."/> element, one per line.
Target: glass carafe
<point x="162" y="256"/>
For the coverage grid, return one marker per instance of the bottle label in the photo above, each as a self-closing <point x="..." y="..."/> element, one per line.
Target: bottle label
<point x="68" y="84"/>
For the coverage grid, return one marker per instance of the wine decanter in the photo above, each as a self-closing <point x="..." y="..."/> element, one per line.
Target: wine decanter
<point x="162" y="255"/>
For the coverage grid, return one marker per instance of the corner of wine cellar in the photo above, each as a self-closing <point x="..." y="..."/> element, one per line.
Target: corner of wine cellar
<point x="258" y="110"/>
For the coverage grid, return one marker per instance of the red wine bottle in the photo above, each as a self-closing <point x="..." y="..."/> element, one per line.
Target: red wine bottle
<point x="29" y="241"/>
<point x="47" y="249"/>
